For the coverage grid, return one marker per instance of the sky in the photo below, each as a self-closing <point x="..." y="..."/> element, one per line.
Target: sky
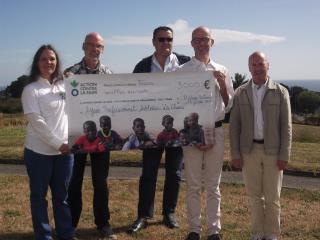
<point x="286" y="30"/>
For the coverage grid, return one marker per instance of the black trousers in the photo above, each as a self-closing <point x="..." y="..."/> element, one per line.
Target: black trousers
<point x="99" y="173"/>
<point x="147" y="184"/>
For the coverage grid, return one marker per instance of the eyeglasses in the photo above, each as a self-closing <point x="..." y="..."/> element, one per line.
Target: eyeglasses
<point x="201" y="40"/>
<point x="165" y="39"/>
<point x="93" y="45"/>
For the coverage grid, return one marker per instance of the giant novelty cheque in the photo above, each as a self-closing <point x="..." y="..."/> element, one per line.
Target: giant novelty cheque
<point x="148" y="96"/>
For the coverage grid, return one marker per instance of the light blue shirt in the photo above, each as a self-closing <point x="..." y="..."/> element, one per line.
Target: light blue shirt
<point x="171" y="64"/>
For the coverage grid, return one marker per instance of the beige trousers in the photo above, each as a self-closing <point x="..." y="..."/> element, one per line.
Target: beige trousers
<point x="204" y="167"/>
<point x="263" y="182"/>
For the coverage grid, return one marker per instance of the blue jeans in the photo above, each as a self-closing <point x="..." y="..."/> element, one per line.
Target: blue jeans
<point x="54" y="171"/>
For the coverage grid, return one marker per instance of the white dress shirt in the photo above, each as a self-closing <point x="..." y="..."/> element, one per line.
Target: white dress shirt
<point x="258" y="92"/>
<point x="194" y="65"/>
<point x="171" y="64"/>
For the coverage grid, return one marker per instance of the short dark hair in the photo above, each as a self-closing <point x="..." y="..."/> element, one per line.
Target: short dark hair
<point x="165" y="117"/>
<point x="161" y="28"/>
<point x="138" y="120"/>
<point x="35" y="71"/>
<point x="89" y="123"/>
<point x="104" y="117"/>
<point x="194" y="115"/>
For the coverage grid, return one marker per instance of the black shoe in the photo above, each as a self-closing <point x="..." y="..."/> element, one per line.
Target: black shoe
<point x="193" y="236"/>
<point x="170" y="221"/>
<point x="137" y="226"/>
<point x="214" y="237"/>
<point x="106" y="233"/>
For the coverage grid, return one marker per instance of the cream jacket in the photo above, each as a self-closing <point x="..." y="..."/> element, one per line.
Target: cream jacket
<point x="276" y="113"/>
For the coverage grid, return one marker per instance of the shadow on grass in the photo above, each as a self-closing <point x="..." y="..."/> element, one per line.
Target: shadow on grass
<point x="124" y="229"/>
<point x="88" y="233"/>
<point x="17" y="236"/>
<point x="82" y="233"/>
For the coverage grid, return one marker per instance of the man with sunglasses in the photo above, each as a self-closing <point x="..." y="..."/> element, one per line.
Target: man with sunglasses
<point x="93" y="47"/>
<point x="162" y="60"/>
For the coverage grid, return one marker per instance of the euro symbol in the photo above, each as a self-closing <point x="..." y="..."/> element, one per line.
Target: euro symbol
<point x="207" y="84"/>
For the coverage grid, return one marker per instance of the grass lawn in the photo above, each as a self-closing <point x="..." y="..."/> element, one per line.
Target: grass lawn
<point x="305" y="146"/>
<point x="300" y="212"/>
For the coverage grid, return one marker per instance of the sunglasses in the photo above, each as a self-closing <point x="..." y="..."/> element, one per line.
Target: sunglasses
<point x="165" y="39"/>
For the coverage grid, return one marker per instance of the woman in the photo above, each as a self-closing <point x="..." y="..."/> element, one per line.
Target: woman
<point x="46" y="153"/>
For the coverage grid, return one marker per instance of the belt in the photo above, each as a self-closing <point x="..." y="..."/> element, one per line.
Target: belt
<point x="218" y="124"/>
<point x="259" y="141"/>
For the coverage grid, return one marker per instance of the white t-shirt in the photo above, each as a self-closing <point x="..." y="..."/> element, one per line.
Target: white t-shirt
<point x="44" y="106"/>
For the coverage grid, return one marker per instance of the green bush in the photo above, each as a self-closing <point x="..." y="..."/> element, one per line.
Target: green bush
<point x="11" y="105"/>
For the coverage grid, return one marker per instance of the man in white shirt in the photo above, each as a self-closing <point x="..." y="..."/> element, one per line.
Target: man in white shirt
<point x="208" y="157"/>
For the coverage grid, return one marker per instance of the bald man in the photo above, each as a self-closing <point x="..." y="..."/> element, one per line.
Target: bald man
<point x="93" y="47"/>
<point x="260" y="141"/>
<point x="209" y="156"/>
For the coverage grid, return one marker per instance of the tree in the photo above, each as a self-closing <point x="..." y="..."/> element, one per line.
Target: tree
<point x="16" y="87"/>
<point x="285" y="86"/>
<point x="308" y="101"/>
<point x="238" y="80"/>
<point x="294" y="93"/>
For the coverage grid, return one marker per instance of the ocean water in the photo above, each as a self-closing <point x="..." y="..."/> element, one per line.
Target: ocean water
<point x="312" y="85"/>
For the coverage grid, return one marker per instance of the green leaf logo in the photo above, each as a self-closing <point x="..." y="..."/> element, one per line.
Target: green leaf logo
<point x="74" y="83"/>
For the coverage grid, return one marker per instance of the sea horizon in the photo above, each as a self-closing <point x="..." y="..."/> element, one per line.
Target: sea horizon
<point x="312" y="85"/>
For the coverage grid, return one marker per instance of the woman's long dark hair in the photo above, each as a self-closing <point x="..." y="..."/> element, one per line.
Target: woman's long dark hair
<point x="35" y="72"/>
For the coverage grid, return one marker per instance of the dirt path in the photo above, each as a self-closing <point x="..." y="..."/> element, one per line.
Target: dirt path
<point x="134" y="173"/>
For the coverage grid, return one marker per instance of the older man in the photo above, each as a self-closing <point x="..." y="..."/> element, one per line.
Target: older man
<point x="93" y="47"/>
<point x="205" y="162"/>
<point x="260" y="141"/>
<point x="162" y="60"/>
